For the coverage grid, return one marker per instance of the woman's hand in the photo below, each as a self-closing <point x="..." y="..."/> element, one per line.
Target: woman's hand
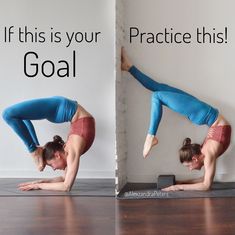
<point x="176" y="187"/>
<point x="31" y="182"/>
<point x="29" y="186"/>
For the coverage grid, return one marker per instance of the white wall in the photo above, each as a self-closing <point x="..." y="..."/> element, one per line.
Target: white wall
<point x="93" y="86"/>
<point x="205" y="70"/>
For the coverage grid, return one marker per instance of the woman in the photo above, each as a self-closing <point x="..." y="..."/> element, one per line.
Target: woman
<point x="56" y="154"/>
<point x="193" y="156"/>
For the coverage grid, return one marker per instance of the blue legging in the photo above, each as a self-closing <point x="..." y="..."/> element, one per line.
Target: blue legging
<point x="177" y="100"/>
<point x="55" y="109"/>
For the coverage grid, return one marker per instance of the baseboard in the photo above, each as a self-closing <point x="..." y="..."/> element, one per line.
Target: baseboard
<point x="50" y="174"/>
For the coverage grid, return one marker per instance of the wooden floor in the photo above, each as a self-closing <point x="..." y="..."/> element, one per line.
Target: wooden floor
<point x="57" y="215"/>
<point x="107" y="216"/>
<point x="205" y="216"/>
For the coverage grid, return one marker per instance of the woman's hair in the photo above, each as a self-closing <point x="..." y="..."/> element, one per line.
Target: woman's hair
<point x="188" y="150"/>
<point x="51" y="147"/>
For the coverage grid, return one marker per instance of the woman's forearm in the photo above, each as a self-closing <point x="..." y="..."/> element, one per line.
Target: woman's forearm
<point x="191" y="181"/>
<point x="53" y="180"/>
<point x="55" y="186"/>
<point x="196" y="186"/>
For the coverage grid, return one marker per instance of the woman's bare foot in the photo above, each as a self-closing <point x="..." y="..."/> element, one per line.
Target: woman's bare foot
<point x="37" y="156"/>
<point x="150" y="141"/>
<point x="126" y="64"/>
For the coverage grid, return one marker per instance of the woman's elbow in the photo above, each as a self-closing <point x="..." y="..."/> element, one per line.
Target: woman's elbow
<point x="206" y="187"/>
<point x="67" y="187"/>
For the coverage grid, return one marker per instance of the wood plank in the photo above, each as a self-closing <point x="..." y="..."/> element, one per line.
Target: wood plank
<point x="57" y="215"/>
<point x="204" y="216"/>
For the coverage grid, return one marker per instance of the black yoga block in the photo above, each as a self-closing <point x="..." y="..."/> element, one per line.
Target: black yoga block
<point x="165" y="181"/>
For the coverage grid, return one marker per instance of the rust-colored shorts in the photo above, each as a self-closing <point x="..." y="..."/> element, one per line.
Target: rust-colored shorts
<point x="84" y="127"/>
<point x="221" y="134"/>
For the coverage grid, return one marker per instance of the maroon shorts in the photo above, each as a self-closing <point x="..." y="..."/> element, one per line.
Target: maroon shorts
<point x="84" y="127"/>
<point x="221" y="134"/>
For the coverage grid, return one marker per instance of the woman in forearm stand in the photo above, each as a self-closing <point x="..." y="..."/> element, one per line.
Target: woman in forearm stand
<point x="56" y="154"/>
<point x="193" y="156"/>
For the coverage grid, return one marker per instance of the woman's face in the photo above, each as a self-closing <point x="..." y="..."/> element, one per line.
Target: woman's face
<point x="58" y="162"/>
<point x="195" y="164"/>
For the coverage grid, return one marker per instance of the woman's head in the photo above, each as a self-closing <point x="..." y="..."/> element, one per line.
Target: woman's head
<point x="54" y="155"/>
<point x="191" y="155"/>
